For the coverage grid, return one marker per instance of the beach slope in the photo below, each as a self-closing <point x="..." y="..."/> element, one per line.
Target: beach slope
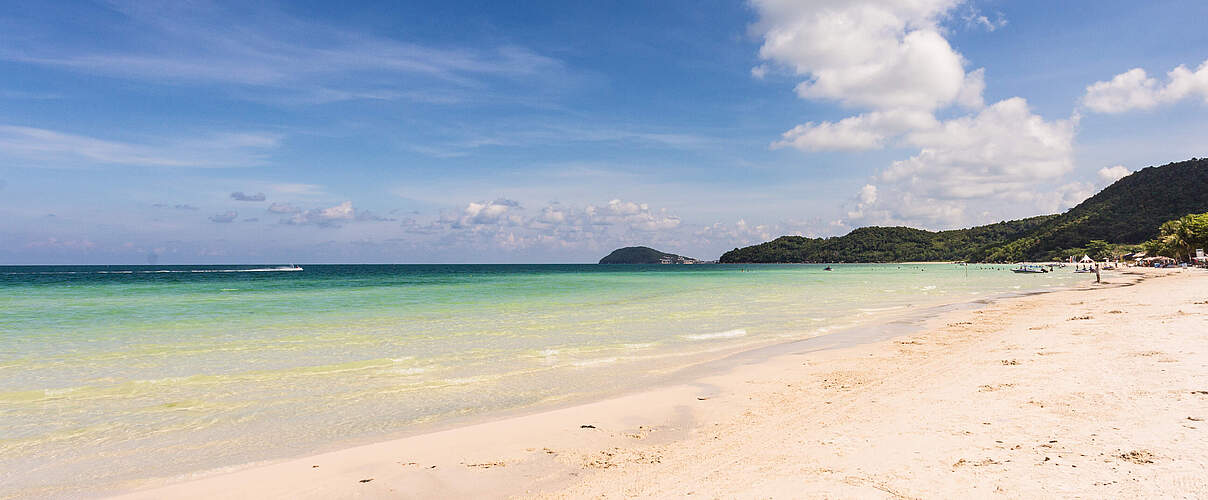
<point x="1099" y="392"/>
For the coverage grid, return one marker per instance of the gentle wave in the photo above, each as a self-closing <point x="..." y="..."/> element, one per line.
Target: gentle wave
<point x="728" y="334"/>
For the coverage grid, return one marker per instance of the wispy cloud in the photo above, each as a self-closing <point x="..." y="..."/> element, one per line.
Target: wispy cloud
<point x="204" y="43"/>
<point x="241" y="196"/>
<point x="31" y="96"/>
<point x="296" y="189"/>
<point x="37" y="147"/>
<point x="529" y="135"/>
<point x="178" y="206"/>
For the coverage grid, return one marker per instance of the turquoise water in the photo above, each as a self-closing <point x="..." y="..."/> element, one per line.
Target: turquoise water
<point x="112" y="374"/>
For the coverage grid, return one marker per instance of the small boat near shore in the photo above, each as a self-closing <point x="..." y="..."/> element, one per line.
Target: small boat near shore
<point x="1026" y="269"/>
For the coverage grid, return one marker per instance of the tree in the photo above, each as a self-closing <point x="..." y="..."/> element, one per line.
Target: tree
<point x="1098" y="249"/>
<point x="1180" y="237"/>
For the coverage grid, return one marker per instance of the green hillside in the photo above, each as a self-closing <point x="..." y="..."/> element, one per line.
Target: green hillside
<point x="641" y="255"/>
<point x="1129" y="212"/>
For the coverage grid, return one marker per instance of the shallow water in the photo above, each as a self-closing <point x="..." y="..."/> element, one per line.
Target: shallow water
<point x="109" y="374"/>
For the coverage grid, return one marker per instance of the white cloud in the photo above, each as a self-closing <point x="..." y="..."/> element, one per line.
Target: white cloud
<point x="323" y="217"/>
<point x="48" y="148"/>
<point x="975" y="19"/>
<point x="505" y="224"/>
<point x="1002" y="157"/>
<point x="1136" y="90"/>
<point x="501" y="211"/>
<point x="971" y="92"/>
<point x="1113" y="174"/>
<point x="866" y="53"/>
<point x="868" y="194"/>
<point x="269" y="55"/>
<point x="890" y="58"/>
<point x="1003" y="150"/>
<point x="863" y="132"/>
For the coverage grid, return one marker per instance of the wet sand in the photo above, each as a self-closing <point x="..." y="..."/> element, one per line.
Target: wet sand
<point x="1099" y="392"/>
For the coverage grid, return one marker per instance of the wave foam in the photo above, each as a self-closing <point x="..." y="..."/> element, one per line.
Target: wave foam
<point x="728" y="334"/>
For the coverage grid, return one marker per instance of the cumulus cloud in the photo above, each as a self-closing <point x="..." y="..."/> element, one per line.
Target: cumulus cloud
<point x="506" y="224"/>
<point x="1136" y="90"/>
<point x="491" y="212"/>
<point x="864" y="53"/>
<point x="890" y="59"/>
<point x="1003" y="150"/>
<point x="240" y="196"/>
<point x="1113" y="174"/>
<point x="856" y="133"/>
<point x="225" y="217"/>
<point x="324" y="217"/>
<point x="740" y="232"/>
<point x="995" y="158"/>
<point x="634" y="216"/>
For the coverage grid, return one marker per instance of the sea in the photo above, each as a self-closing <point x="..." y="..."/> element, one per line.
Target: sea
<point x="114" y="375"/>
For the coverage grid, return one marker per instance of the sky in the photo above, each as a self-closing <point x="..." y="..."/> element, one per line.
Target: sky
<point x="135" y="132"/>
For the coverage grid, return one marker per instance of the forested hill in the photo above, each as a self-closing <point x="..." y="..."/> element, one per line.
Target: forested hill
<point x="642" y="255"/>
<point x="1128" y="211"/>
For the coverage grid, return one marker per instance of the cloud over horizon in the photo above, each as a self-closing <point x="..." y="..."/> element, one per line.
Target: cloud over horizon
<point x="892" y="60"/>
<point x="1135" y="90"/>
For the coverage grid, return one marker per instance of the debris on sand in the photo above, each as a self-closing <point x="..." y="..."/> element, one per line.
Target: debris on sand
<point x="587" y="426"/>
<point x="366" y="480"/>
<point x="980" y="463"/>
<point x="1138" y="457"/>
<point x="486" y="465"/>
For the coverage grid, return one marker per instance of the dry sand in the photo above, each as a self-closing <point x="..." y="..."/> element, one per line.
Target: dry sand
<point x="1101" y="392"/>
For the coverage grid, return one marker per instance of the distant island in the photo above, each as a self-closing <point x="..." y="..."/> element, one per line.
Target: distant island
<point x="1128" y="212"/>
<point x="645" y="255"/>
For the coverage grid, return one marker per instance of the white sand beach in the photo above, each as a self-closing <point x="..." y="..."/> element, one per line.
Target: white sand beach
<point x="1095" y="392"/>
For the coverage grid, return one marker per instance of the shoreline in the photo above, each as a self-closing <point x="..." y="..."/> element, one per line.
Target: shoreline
<point x="881" y="326"/>
<point x="508" y="454"/>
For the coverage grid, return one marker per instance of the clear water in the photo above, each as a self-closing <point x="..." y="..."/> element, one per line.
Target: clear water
<point x="112" y="374"/>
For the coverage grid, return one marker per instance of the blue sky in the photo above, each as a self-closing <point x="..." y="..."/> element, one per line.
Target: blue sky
<point x="212" y="132"/>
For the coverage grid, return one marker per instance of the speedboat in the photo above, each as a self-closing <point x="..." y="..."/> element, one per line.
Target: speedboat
<point x="291" y="267"/>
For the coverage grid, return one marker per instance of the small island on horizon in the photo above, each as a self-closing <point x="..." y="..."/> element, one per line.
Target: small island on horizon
<point x="646" y="255"/>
